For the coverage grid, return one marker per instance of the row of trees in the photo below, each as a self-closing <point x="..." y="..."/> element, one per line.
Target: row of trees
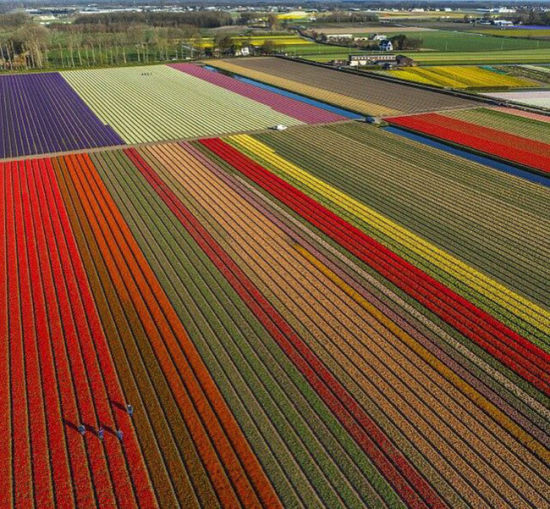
<point x="226" y="45"/>
<point x="115" y="39"/>
<point x="118" y="38"/>
<point x="532" y="16"/>
<point x="350" y="17"/>
<point x="401" y="42"/>
<point x="199" y="19"/>
<point x="29" y="46"/>
<point x="13" y="20"/>
<point x="34" y="46"/>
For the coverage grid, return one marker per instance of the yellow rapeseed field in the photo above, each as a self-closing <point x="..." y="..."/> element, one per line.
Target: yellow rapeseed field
<point x="256" y="40"/>
<point x="293" y="15"/>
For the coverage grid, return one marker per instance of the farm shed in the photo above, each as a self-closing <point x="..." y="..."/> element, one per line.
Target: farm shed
<point x="373" y="59"/>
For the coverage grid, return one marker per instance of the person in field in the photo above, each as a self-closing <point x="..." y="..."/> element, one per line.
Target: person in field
<point x="100" y="433"/>
<point x="130" y="410"/>
<point x="119" y="434"/>
<point x="81" y="429"/>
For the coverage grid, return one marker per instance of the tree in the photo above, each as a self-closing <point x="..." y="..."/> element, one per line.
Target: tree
<point x="246" y="17"/>
<point x="223" y="43"/>
<point x="413" y="43"/>
<point x="14" y="20"/>
<point x="272" y="21"/>
<point x="398" y="41"/>
<point x="34" y="39"/>
<point x="268" y="47"/>
<point x="201" y="19"/>
<point x="135" y="37"/>
<point x="402" y="42"/>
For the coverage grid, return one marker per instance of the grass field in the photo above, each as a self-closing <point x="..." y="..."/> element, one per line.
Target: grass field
<point x="321" y="50"/>
<point x="324" y="57"/>
<point x="475" y="58"/>
<point x="460" y="77"/>
<point x="442" y="40"/>
<point x="364" y="30"/>
<point x="534" y="56"/>
<point x="517" y="32"/>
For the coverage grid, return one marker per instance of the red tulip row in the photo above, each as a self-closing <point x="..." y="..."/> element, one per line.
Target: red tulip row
<point x="511" y="349"/>
<point x="513" y="148"/>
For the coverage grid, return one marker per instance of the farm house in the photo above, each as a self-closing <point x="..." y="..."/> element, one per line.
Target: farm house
<point x="385" y="45"/>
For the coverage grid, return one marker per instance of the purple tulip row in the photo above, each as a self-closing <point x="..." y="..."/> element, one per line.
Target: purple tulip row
<point x="304" y="112"/>
<point x="41" y="113"/>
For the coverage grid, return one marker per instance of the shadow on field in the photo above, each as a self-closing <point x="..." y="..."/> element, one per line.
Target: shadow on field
<point x="89" y="428"/>
<point x="119" y="405"/>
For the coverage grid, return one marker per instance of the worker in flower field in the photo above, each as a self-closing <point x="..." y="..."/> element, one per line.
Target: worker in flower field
<point x="81" y="429"/>
<point x="100" y="433"/>
<point x="119" y="434"/>
<point x="130" y="410"/>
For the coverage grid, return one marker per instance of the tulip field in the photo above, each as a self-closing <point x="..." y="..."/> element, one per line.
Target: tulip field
<point x="329" y="316"/>
<point x="522" y="113"/>
<point x="41" y="113"/>
<point x="535" y="98"/>
<point x="301" y="111"/>
<point x="154" y="103"/>
<point x="62" y="112"/>
<point x="461" y="77"/>
<point x="521" y="140"/>
<point x="506" y="119"/>
<point x="357" y="93"/>
<point x="283" y="41"/>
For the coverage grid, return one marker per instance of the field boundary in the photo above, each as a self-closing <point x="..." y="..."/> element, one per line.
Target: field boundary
<point x="161" y="142"/>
